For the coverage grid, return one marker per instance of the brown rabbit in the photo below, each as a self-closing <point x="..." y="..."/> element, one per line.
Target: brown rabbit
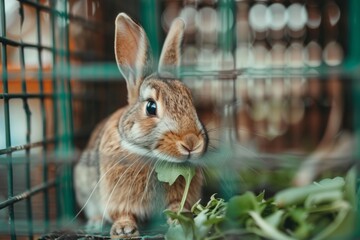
<point x="159" y="123"/>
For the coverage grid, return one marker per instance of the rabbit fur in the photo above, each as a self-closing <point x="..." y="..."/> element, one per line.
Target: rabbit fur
<point x="117" y="166"/>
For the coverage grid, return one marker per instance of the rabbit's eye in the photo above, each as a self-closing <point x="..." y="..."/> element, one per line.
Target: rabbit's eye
<point x="151" y="108"/>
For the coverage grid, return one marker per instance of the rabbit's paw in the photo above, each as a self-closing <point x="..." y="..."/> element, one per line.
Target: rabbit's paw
<point x="124" y="229"/>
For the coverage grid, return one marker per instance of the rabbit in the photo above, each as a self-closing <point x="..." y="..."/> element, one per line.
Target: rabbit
<point x="159" y="123"/>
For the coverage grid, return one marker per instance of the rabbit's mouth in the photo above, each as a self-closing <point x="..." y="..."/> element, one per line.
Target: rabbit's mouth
<point x="181" y="147"/>
<point x="191" y="146"/>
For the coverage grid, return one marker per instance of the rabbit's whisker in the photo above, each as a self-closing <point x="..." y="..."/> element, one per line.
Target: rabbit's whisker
<point x="202" y="169"/>
<point x="148" y="181"/>
<point x="113" y="190"/>
<point x="134" y="180"/>
<point x="96" y="185"/>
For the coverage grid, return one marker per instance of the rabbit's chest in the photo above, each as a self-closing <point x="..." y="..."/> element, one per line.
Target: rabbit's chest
<point x="132" y="188"/>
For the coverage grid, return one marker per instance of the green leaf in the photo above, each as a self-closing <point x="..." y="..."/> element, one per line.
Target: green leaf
<point x="202" y="229"/>
<point x="350" y="187"/>
<point x="297" y="195"/>
<point x="275" y="219"/>
<point x="176" y="232"/>
<point x="261" y="196"/>
<point x="302" y="226"/>
<point x="299" y="215"/>
<point x="214" y="221"/>
<point x="197" y="207"/>
<point x="344" y="223"/>
<point x="169" y="172"/>
<point x="186" y="223"/>
<point x="239" y="206"/>
<point x="316" y="199"/>
<point x="268" y="230"/>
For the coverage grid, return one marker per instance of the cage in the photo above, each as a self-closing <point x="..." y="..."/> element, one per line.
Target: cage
<point x="275" y="82"/>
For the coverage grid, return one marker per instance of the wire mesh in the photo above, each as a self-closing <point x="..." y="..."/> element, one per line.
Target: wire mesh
<point x="49" y="101"/>
<point x="238" y="62"/>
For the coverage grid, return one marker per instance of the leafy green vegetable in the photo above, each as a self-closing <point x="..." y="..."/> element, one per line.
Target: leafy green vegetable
<point x="322" y="210"/>
<point x="239" y="206"/>
<point x="205" y="223"/>
<point x="183" y="230"/>
<point x="268" y="230"/>
<point x="169" y="172"/>
<point x="176" y="232"/>
<point x="297" y="195"/>
<point x="275" y="218"/>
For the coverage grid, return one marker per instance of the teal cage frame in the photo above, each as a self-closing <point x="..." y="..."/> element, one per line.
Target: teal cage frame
<point x="60" y="144"/>
<point x="56" y="145"/>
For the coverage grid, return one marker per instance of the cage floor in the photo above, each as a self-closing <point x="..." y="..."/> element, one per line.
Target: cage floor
<point x="147" y="232"/>
<point x="62" y="235"/>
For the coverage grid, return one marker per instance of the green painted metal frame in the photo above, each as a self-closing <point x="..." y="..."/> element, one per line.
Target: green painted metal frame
<point x="61" y="112"/>
<point x="7" y="120"/>
<point x="353" y="62"/>
<point x="149" y="17"/>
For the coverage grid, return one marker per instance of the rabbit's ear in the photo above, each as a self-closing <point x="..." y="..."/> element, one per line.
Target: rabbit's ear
<point x="170" y="55"/>
<point x="132" y="53"/>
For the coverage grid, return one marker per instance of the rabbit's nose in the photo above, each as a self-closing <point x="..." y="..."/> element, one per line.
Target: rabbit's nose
<point x="191" y="144"/>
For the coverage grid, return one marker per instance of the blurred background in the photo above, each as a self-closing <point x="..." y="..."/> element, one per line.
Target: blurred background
<point x="275" y="83"/>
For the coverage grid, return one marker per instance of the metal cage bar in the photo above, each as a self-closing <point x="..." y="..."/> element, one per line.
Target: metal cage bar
<point x="7" y="121"/>
<point x="353" y="60"/>
<point x="42" y="103"/>
<point x="59" y="97"/>
<point x="150" y="20"/>
<point x="28" y="140"/>
<point x="65" y="144"/>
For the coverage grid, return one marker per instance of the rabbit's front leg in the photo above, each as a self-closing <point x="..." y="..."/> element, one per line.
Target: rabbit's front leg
<point x="124" y="225"/>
